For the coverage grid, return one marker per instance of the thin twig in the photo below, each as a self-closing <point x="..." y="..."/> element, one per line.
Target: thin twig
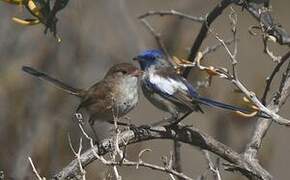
<point x="215" y="47"/>
<point x="34" y="170"/>
<point x="172" y="13"/>
<point x="266" y="20"/>
<point x="189" y="135"/>
<point x="249" y="94"/>
<point x="271" y="77"/>
<point x="214" y="168"/>
<point x="158" y="39"/>
<point x="210" y="18"/>
<point x="276" y="59"/>
<point x="153" y="167"/>
<point x="101" y="158"/>
<point x="263" y="125"/>
<point x="78" y="156"/>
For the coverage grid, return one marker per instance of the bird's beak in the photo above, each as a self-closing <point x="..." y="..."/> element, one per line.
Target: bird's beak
<point x="137" y="73"/>
<point x="136" y="58"/>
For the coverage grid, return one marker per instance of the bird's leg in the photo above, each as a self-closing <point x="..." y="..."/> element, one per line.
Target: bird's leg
<point x="171" y="120"/>
<point x="80" y="119"/>
<point x="178" y="120"/>
<point x="91" y="123"/>
<point x="174" y="118"/>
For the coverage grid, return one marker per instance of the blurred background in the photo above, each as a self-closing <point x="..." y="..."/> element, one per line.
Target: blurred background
<point x="36" y="118"/>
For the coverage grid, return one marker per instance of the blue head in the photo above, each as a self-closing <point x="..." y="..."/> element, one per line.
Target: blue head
<point x="149" y="58"/>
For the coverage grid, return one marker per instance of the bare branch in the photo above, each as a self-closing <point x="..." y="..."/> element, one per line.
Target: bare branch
<point x="210" y="18"/>
<point x="214" y="168"/>
<point x="263" y="125"/>
<point x="35" y="171"/>
<point x="215" y="47"/>
<point x="187" y="135"/>
<point x="78" y="155"/>
<point x="249" y="94"/>
<point x="155" y="167"/>
<point x="274" y="58"/>
<point x="271" y="77"/>
<point x="158" y="40"/>
<point x="172" y="13"/>
<point x="265" y="18"/>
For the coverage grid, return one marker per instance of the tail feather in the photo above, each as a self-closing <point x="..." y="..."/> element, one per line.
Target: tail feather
<point x="210" y="102"/>
<point x="53" y="81"/>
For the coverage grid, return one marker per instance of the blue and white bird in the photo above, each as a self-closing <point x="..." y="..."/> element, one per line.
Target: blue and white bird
<point x="169" y="91"/>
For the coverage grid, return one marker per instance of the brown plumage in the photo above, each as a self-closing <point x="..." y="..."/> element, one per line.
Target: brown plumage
<point x="114" y="96"/>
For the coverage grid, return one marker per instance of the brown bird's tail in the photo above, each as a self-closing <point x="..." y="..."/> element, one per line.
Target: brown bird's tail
<point x="53" y="81"/>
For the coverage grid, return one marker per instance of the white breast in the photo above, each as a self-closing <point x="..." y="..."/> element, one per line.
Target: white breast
<point x="167" y="85"/>
<point x="128" y="95"/>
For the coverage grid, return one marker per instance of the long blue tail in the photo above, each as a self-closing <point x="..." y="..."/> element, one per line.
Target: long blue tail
<point x="213" y="103"/>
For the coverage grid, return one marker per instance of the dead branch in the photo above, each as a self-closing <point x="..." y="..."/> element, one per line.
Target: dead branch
<point x="35" y="171"/>
<point x="210" y="18"/>
<point x="172" y="13"/>
<point x="271" y="77"/>
<point x="191" y="136"/>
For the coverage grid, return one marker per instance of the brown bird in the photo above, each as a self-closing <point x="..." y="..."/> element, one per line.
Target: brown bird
<point x="110" y="98"/>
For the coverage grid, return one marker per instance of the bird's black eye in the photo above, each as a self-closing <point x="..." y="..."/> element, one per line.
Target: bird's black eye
<point x="123" y="72"/>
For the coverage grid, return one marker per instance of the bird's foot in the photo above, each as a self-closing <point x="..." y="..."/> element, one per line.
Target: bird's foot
<point x="173" y="121"/>
<point x="145" y="126"/>
<point x="139" y="130"/>
<point x="133" y="127"/>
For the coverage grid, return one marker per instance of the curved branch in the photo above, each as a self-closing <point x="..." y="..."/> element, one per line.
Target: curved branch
<point x="265" y="18"/>
<point x="216" y="12"/>
<point x="263" y="125"/>
<point x="172" y="13"/>
<point x="274" y="72"/>
<point x="191" y="136"/>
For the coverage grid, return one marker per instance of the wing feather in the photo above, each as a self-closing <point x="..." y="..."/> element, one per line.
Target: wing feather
<point x="173" y="87"/>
